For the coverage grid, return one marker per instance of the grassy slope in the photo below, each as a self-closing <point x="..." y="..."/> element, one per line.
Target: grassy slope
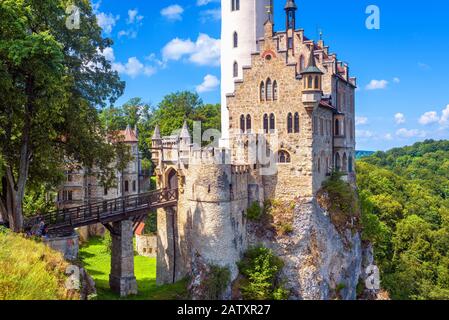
<point x="97" y="261"/>
<point x="29" y="270"/>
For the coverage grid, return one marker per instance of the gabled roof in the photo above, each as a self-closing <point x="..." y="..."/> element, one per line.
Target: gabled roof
<point x="128" y="135"/>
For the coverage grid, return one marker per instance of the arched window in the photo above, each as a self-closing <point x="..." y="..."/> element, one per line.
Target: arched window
<point x="242" y="123"/>
<point x="275" y="90"/>
<point x="345" y="163"/>
<point x="296" y="124"/>
<point x="309" y="82"/>
<point x="284" y="157"/>
<point x="248" y="123"/>
<point x="236" y="40"/>
<point x="301" y="63"/>
<point x="351" y="164"/>
<point x="290" y="123"/>
<point x="265" y="123"/>
<point x="317" y="82"/>
<point x="272" y="122"/>
<point x="337" y="127"/>
<point x="262" y="91"/>
<point x="269" y="89"/>
<point x="235" y="69"/>
<point x="337" y="162"/>
<point x="126" y="186"/>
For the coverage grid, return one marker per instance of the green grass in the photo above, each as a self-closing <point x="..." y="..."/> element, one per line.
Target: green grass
<point x="97" y="262"/>
<point x="29" y="270"/>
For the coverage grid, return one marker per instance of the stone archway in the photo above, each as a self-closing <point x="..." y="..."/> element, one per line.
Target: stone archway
<point x="172" y="179"/>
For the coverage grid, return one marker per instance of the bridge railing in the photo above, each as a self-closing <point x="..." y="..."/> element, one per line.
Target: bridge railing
<point x="100" y="211"/>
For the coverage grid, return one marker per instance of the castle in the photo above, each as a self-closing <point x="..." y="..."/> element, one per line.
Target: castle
<point x="288" y="118"/>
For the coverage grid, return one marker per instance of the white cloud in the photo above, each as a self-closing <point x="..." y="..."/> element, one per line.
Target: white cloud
<point x="173" y="12"/>
<point x="364" y="134"/>
<point x="377" y="85"/>
<point x="444" y="121"/>
<point x="132" y="34"/>
<point x="210" y="83"/>
<point x="399" y="118"/>
<point x="412" y="133"/>
<point x="396" y="80"/>
<point x="204" y="2"/>
<point x="134" y="17"/>
<point x="429" y="118"/>
<point x="210" y="15"/>
<point x="107" y="21"/>
<point x="360" y="121"/>
<point x="108" y="53"/>
<point x="205" y="51"/>
<point x="388" y="136"/>
<point x="133" y="68"/>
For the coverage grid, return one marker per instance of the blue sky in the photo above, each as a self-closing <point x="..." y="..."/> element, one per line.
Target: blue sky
<point x="402" y="69"/>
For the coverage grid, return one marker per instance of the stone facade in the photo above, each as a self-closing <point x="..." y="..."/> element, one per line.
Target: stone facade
<point x="291" y="123"/>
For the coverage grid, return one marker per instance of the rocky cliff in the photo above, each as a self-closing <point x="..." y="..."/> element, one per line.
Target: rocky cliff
<point x="322" y="260"/>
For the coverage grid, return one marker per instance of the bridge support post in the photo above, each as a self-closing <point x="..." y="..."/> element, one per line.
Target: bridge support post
<point x="122" y="279"/>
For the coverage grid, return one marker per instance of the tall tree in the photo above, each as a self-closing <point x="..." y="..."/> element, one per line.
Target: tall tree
<point x="52" y="79"/>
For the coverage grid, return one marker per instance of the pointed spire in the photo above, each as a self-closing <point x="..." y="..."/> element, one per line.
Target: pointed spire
<point x="157" y="133"/>
<point x="311" y="67"/>
<point x="184" y="131"/>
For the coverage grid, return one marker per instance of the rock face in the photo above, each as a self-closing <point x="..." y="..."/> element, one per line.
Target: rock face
<point x="321" y="263"/>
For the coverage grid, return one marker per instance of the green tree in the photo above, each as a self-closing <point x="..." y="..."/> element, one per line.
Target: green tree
<point x="51" y="80"/>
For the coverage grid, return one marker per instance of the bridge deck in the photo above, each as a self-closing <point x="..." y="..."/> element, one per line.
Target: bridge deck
<point x="106" y="211"/>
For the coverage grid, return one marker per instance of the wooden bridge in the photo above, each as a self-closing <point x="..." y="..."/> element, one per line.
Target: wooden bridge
<point x="134" y="208"/>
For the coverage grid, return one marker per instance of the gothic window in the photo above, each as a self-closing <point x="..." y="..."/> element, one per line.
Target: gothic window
<point x="317" y="82"/>
<point x="235" y="69"/>
<point x="269" y="89"/>
<point x="321" y="126"/>
<point x="236" y="40"/>
<point x="262" y="91"/>
<point x="290" y="43"/>
<point x="337" y="127"/>
<point x="345" y="162"/>
<point x="301" y="63"/>
<point x="337" y="162"/>
<point x="296" y="124"/>
<point x="290" y="123"/>
<point x="351" y="164"/>
<point x="275" y="90"/>
<point x="235" y="5"/>
<point x="272" y="123"/>
<point x="134" y="186"/>
<point x="126" y="186"/>
<point x="105" y="191"/>
<point x="284" y="157"/>
<point x="242" y="123"/>
<point x="309" y="82"/>
<point x="265" y="123"/>
<point x="248" y="123"/>
<point x="319" y="165"/>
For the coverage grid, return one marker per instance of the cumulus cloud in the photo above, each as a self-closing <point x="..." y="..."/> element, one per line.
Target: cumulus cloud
<point x="210" y="83"/>
<point x="204" y="51"/>
<point x="410" y="133"/>
<point x="210" y="15"/>
<point x="377" y="85"/>
<point x="173" y="12"/>
<point x="444" y="121"/>
<point x="429" y="118"/>
<point x="107" y="21"/>
<point x="133" y="68"/>
<point x="134" y="17"/>
<point x="360" y="121"/>
<point x="399" y="118"/>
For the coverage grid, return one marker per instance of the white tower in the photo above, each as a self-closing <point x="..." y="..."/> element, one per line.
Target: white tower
<point x="242" y="24"/>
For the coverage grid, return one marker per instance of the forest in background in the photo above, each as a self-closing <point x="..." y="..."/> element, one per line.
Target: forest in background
<point x="404" y="195"/>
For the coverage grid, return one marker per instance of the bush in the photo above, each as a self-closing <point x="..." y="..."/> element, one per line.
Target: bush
<point x="254" y="212"/>
<point x="216" y="283"/>
<point x="260" y="269"/>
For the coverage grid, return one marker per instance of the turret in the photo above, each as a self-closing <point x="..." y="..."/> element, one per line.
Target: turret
<point x="290" y="11"/>
<point x="311" y="77"/>
<point x="156" y="142"/>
